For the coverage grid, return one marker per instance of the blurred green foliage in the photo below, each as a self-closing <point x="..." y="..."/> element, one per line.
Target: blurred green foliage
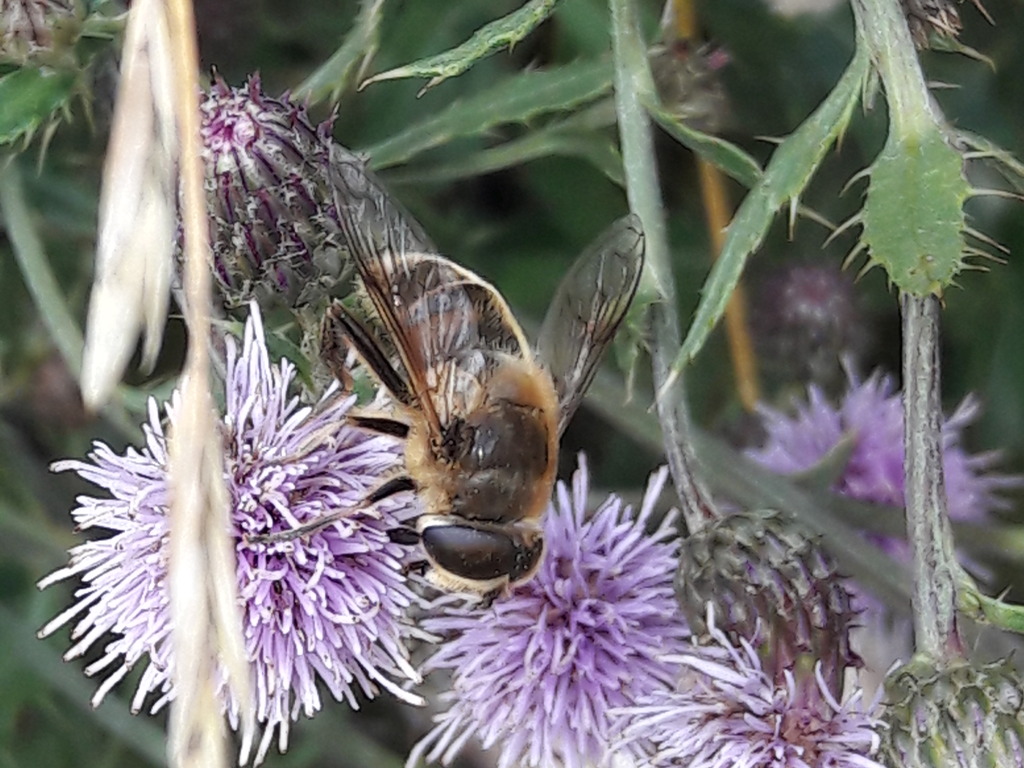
<point x="512" y="167"/>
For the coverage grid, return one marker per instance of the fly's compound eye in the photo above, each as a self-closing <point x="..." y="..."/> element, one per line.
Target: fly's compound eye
<point x="480" y="554"/>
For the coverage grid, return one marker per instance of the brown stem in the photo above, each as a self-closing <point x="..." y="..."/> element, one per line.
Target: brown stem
<point x="928" y="528"/>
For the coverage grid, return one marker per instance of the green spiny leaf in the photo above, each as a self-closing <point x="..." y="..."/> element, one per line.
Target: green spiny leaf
<point x="1003" y="160"/>
<point x="30" y="97"/>
<point x="501" y="33"/>
<point x="788" y="172"/>
<point x="360" y="44"/>
<point x="600" y="151"/>
<point x="913" y="215"/>
<point x="726" y="156"/>
<point x="988" y="610"/>
<point x="518" y="98"/>
<point x="578" y="135"/>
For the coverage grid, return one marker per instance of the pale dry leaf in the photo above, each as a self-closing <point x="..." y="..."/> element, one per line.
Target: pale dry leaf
<point x="137" y="209"/>
<point x="207" y="634"/>
<point x="197" y="734"/>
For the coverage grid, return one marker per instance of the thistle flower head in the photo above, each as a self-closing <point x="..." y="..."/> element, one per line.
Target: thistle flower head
<point x="324" y="611"/>
<point x="932" y="18"/>
<point x="274" y="226"/>
<point x="965" y="715"/>
<point x="538" y="673"/>
<point x="765" y="574"/>
<point x="32" y="30"/>
<point x="726" y="710"/>
<point x="870" y="418"/>
<point x="871" y="415"/>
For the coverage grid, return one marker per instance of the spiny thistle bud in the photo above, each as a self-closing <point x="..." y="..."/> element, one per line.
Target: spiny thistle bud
<point x="689" y="84"/>
<point x="274" y="229"/>
<point x="768" y="578"/>
<point x="963" y="716"/>
<point x="35" y="30"/>
<point x="931" y="17"/>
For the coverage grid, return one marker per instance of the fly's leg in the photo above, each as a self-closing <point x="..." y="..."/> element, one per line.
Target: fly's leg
<point x="393" y="486"/>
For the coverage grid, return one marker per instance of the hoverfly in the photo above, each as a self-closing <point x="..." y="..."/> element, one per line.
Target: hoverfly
<point x="480" y="411"/>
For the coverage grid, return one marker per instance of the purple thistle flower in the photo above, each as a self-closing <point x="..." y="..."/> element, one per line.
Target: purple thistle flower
<point x="871" y="413"/>
<point x="727" y="712"/>
<point x="539" y="672"/>
<point x="805" y="317"/>
<point x="328" y="608"/>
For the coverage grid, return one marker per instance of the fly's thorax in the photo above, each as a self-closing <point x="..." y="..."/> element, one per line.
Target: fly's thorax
<point x="504" y="452"/>
<point x="495" y="461"/>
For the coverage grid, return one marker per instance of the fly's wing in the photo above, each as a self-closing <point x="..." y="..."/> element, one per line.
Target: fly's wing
<point x="432" y="311"/>
<point x="587" y="309"/>
<point x="363" y="204"/>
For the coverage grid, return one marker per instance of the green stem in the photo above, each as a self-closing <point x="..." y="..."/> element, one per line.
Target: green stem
<point x="35" y="269"/>
<point x="657" y="289"/>
<point x="928" y="529"/>
<point x="698" y="504"/>
<point x="633" y="80"/>
<point x="884" y="28"/>
<point x="42" y="284"/>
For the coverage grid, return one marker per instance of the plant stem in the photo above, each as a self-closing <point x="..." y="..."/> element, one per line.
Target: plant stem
<point x="928" y="528"/>
<point x="698" y="505"/>
<point x="42" y="284"/>
<point x="35" y="268"/>
<point x="884" y="27"/>
<point x="632" y="80"/>
<point x="206" y="625"/>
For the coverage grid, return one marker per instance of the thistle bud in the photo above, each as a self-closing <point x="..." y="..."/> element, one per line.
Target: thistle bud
<point x="689" y="84"/>
<point x="36" y="30"/>
<point x="966" y="715"/>
<point x="769" y="578"/>
<point x="931" y="17"/>
<point x="274" y="230"/>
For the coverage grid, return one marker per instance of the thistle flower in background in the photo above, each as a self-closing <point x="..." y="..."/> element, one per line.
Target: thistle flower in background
<point x="805" y="319"/>
<point x="327" y="609"/>
<point x="689" y="83"/>
<point x="871" y="414"/>
<point x="936" y="23"/>
<point x="274" y="227"/>
<point x="537" y="675"/>
<point x="726" y="710"/>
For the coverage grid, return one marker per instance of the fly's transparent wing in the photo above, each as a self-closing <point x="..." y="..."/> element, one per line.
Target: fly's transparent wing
<point x="430" y="311"/>
<point x="588" y="307"/>
<point x="364" y="205"/>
